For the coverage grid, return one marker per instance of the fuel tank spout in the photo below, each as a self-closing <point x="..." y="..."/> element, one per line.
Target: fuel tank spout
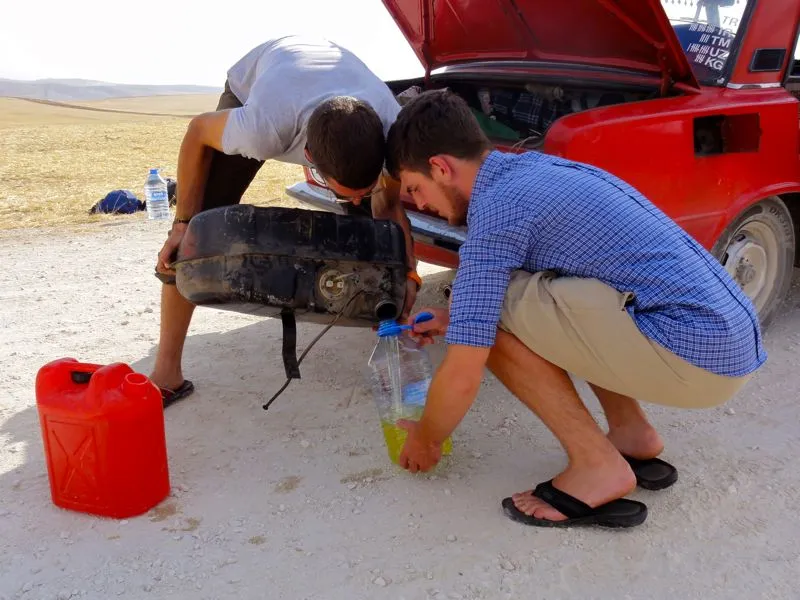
<point x="386" y="309"/>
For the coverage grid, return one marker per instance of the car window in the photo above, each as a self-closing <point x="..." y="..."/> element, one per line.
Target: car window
<point x="795" y="70"/>
<point x="706" y="30"/>
<point x="793" y="75"/>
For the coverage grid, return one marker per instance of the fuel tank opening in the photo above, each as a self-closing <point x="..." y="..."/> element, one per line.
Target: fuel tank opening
<point x="386" y="309"/>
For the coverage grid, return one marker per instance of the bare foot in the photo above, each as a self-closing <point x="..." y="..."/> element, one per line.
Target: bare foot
<point x="592" y="483"/>
<point x="171" y="381"/>
<point x="640" y="441"/>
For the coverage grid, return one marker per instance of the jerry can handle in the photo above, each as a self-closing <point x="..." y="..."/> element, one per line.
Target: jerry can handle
<point x="82" y="373"/>
<point x="80" y="376"/>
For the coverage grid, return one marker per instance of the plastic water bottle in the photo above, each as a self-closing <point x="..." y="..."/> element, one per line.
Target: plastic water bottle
<point x="156" y="197"/>
<point x="400" y="374"/>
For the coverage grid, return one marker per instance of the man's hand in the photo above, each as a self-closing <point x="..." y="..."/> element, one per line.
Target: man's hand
<point x="418" y="453"/>
<point x="166" y="255"/>
<point x="424" y="332"/>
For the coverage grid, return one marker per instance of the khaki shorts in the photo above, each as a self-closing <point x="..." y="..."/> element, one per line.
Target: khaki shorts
<point x="581" y="325"/>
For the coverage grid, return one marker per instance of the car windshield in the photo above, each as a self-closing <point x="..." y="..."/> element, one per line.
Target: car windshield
<point x="706" y="30"/>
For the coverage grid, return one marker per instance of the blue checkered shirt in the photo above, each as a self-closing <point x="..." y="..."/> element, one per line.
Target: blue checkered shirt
<point x="543" y="213"/>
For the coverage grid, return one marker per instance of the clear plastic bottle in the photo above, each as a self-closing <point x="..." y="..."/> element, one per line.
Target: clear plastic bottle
<point x="400" y="374"/>
<point x="156" y="197"/>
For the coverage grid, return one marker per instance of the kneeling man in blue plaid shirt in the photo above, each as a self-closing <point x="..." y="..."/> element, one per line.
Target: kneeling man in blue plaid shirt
<point x="567" y="269"/>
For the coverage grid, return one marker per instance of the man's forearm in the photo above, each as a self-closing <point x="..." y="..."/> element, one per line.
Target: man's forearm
<point x="203" y="136"/>
<point x="194" y="160"/>
<point x="450" y="396"/>
<point x="401" y="218"/>
<point x="388" y="205"/>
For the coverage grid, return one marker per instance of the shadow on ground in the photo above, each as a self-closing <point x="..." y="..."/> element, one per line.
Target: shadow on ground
<point x="235" y="372"/>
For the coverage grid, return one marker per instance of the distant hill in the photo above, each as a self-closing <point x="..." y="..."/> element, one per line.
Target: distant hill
<point x="81" y="90"/>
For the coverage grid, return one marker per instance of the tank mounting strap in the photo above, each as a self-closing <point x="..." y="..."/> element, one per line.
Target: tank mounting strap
<point x="290" y="344"/>
<point x="308" y="349"/>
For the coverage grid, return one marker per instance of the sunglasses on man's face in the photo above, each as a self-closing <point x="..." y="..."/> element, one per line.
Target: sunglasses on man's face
<point x="347" y="199"/>
<point x="339" y="198"/>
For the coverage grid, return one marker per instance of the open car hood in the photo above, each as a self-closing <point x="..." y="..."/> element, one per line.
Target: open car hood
<point x="629" y="34"/>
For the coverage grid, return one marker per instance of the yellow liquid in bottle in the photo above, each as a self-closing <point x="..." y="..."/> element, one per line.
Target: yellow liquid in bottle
<point x="396" y="437"/>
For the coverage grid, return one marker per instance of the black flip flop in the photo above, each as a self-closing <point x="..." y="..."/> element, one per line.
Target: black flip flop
<point x="172" y="396"/>
<point x="652" y="473"/>
<point x="617" y="513"/>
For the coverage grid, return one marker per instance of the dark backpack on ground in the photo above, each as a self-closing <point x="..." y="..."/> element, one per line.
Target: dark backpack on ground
<point x="121" y="202"/>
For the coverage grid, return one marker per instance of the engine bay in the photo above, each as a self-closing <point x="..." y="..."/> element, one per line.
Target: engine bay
<point x="520" y="115"/>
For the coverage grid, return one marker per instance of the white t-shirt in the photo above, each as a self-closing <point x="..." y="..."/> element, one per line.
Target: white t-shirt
<point x="281" y="82"/>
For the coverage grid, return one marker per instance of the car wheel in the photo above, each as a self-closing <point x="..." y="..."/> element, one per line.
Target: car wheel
<point x="757" y="249"/>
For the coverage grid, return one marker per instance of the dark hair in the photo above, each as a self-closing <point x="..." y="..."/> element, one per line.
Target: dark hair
<point x="346" y="141"/>
<point x="435" y="122"/>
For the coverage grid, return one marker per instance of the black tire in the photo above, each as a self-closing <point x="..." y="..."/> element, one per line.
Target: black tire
<point x="757" y="249"/>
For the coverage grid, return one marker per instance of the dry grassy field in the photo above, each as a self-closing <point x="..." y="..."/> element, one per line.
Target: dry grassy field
<point x="57" y="160"/>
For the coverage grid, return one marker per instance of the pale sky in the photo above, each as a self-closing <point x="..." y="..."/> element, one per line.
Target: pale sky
<point x="105" y="40"/>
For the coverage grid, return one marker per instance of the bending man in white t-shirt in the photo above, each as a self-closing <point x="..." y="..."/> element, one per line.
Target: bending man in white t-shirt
<point x="292" y="99"/>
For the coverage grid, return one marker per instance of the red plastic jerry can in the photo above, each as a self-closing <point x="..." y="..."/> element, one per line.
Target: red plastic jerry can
<point x="104" y="440"/>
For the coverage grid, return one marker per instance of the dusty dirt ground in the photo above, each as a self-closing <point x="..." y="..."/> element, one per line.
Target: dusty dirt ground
<point x="301" y="502"/>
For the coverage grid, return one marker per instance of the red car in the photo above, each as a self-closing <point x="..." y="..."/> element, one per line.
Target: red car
<point x="689" y="101"/>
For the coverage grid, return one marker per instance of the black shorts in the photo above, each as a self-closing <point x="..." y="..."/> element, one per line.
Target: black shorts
<point x="229" y="175"/>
